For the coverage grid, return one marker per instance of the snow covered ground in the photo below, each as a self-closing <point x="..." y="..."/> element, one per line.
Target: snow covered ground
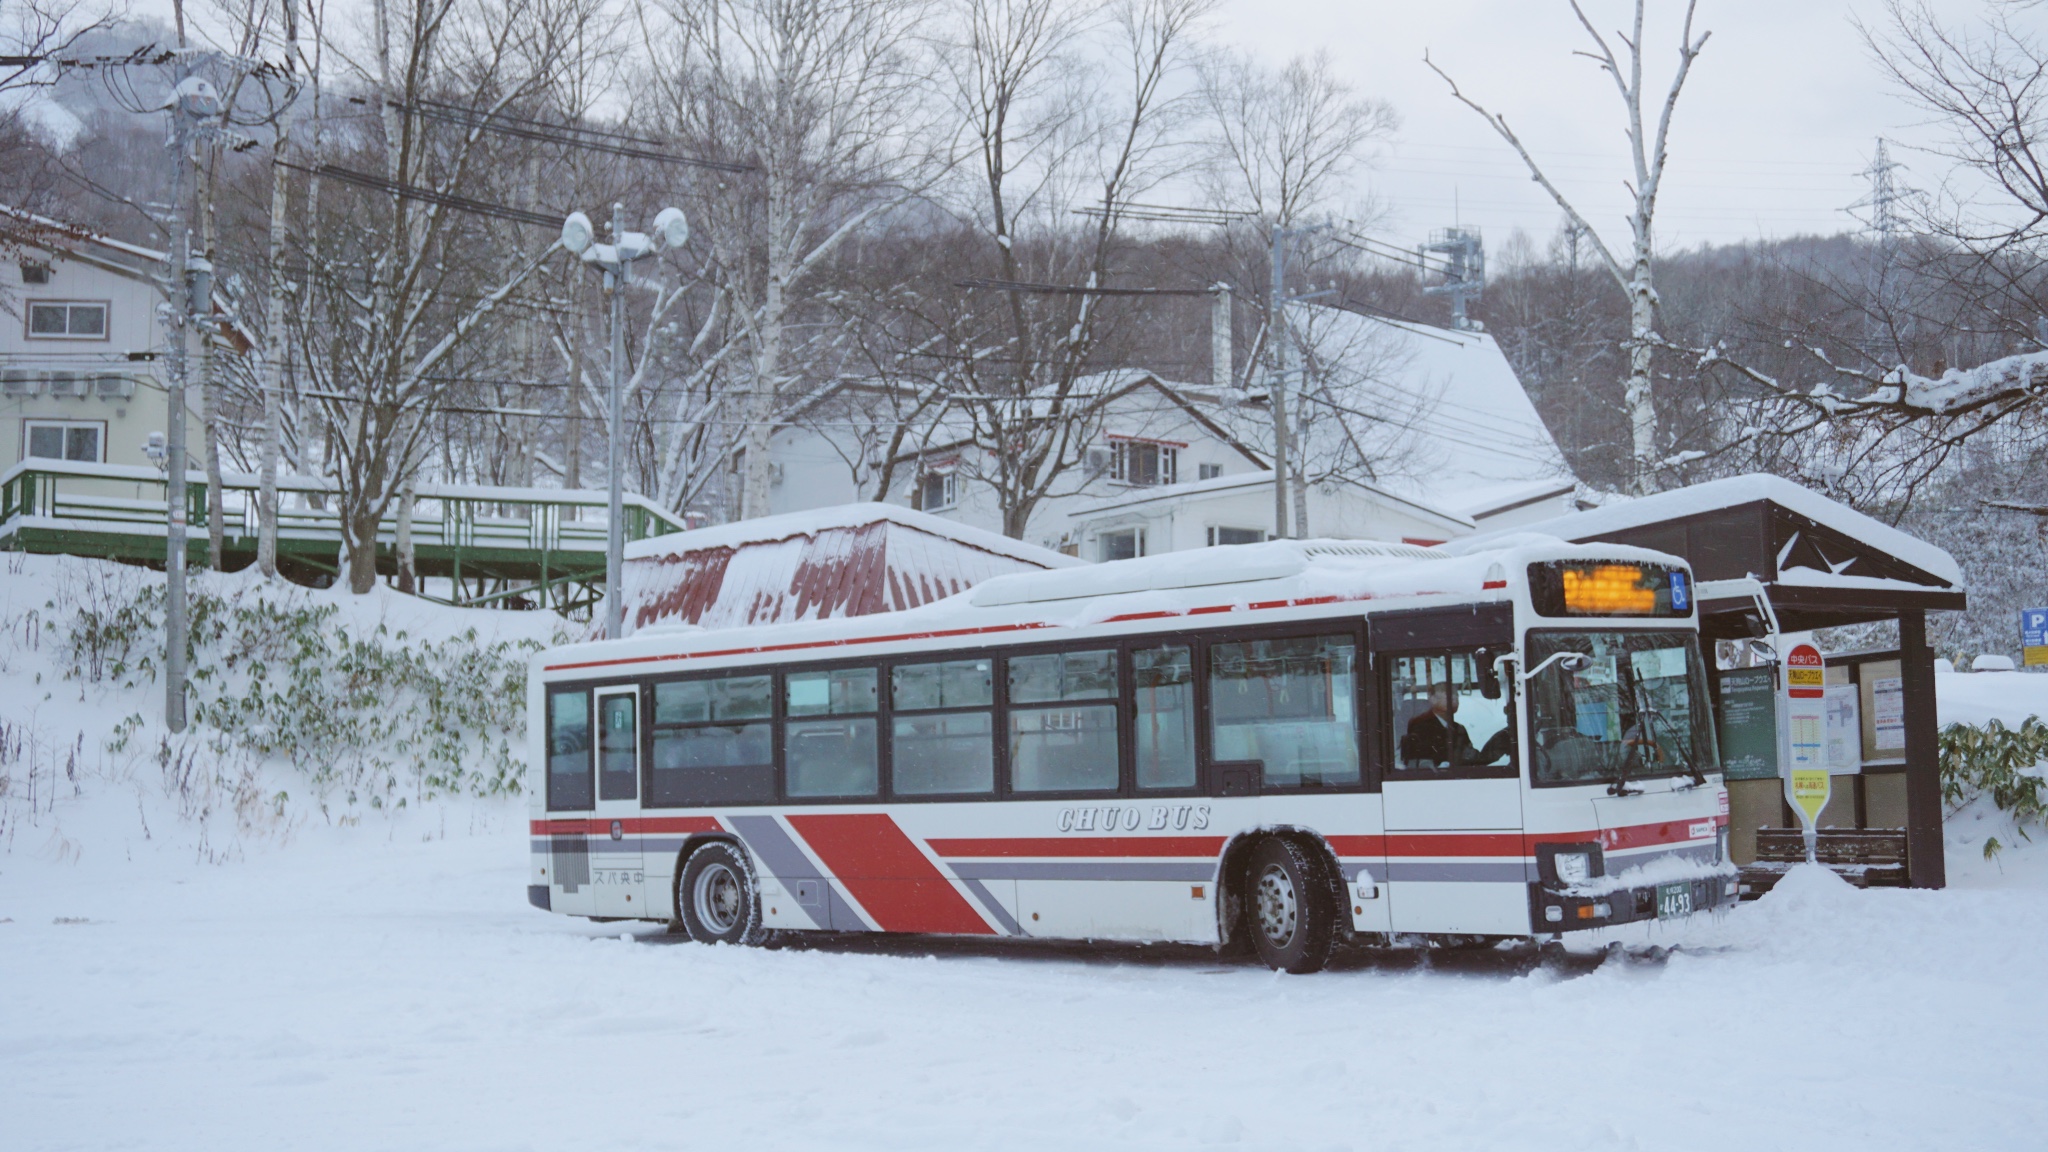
<point x="376" y="981"/>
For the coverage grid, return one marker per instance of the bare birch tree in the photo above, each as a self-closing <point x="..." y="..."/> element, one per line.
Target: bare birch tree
<point x="404" y="292"/>
<point x="1045" y="137"/>
<point x="1648" y="149"/>
<point x="824" y="100"/>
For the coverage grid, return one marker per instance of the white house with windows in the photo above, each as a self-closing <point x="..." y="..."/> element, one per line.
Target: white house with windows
<point x="79" y="375"/>
<point x="1409" y="433"/>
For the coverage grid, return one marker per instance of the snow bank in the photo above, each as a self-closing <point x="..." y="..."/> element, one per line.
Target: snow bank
<point x="87" y="766"/>
<point x="1979" y="697"/>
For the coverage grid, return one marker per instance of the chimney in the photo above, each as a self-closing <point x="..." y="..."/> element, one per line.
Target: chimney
<point x="1219" y="337"/>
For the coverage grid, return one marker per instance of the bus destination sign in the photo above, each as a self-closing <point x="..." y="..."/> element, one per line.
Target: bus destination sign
<point x="1609" y="588"/>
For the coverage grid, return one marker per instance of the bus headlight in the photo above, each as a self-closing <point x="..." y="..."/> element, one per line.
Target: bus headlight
<point x="1564" y="865"/>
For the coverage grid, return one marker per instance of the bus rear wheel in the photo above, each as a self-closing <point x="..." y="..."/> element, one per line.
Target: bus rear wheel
<point x="717" y="899"/>
<point x="1288" y="907"/>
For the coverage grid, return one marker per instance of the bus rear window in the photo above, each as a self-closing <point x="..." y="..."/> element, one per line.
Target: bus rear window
<point x="569" y="751"/>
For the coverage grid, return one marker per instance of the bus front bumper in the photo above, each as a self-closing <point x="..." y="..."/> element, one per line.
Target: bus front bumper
<point x="1554" y="911"/>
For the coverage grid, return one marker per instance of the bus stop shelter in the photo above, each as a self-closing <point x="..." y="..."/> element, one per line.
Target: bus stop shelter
<point x="1761" y="546"/>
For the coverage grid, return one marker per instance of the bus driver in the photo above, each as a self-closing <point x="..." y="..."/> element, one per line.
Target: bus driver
<point x="1436" y="739"/>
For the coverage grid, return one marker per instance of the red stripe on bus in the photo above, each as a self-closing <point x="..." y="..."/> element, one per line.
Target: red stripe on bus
<point x="1511" y="843"/>
<point x="901" y="890"/>
<point x="602" y="826"/>
<point x="762" y="649"/>
<point x="1059" y="846"/>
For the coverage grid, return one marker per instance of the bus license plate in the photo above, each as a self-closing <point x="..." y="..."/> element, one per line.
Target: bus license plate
<point x="1673" y="901"/>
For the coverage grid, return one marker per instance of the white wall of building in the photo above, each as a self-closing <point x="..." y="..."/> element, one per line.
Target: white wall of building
<point x="124" y="398"/>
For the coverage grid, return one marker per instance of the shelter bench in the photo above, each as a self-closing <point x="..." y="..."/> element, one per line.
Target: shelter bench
<point x="1865" y="857"/>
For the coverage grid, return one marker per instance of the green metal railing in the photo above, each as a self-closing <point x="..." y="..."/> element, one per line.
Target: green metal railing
<point x="507" y="541"/>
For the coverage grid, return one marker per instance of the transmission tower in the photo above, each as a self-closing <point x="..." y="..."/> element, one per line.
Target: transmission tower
<point x="1882" y="212"/>
<point x="1464" y="270"/>
<point x="1885" y="203"/>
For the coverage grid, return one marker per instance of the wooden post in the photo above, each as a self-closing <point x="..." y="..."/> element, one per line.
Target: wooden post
<point x="1927" y="866"/>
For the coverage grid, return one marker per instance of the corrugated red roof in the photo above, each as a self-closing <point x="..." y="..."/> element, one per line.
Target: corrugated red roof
<point x="838" y="562"/>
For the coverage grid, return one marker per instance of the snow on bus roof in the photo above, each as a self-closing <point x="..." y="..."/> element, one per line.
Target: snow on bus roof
<point x="1235" y="582"/>
<point x="1735" y="491"/>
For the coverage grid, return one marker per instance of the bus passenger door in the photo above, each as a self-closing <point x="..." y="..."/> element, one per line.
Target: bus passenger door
<point x="1453" y="795"/>
<point x="617" y="873"/>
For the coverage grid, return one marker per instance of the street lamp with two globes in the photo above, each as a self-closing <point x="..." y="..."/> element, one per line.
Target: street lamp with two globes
<point x="671" y="231"/>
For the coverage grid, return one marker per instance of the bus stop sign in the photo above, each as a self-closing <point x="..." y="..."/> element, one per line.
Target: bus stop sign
<point x="2033" y="636"/>
<point x="1805" y="673"/>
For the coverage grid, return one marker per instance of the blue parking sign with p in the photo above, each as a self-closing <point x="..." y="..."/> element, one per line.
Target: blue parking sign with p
<point x="2034" y="636"/>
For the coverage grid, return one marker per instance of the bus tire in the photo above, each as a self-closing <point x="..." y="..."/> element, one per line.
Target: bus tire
<point x="1288" y="907"/>
<point x="716" y="897"/>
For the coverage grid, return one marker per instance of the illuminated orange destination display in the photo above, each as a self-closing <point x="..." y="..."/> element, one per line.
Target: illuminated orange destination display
<point x="1608" y="590"/>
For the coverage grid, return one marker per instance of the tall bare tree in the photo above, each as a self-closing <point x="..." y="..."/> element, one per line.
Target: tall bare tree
<point x="1013" y="372"/>
<point x="824" y="101"/>
<point x="403" y="292"/>
<point x="1648" y="151"/>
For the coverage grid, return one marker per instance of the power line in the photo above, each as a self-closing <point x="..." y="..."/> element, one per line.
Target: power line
<point x="429" y="196"/>
<point x="1075" y="289"/>
<point x="569" y="135"/>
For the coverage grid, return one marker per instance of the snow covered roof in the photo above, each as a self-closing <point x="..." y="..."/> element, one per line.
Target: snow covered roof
<point x="850" y="560"/>
<point x="1475" y="440"/>
<point x="1195" y="490"/>
<point x="1737" y="491"/>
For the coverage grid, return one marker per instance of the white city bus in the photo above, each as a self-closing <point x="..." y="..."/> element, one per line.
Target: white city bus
<point x="1278" y="746"/>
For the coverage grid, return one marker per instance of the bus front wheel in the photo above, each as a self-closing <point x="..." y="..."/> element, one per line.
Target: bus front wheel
<point x="717" y="898"/>
<point x="1289" y="908"/>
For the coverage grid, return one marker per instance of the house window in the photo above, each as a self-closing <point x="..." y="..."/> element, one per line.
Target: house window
<point x="1236" y="536"/>
<point x="1210" y="471"/>
<point x="65" y="440"/>
<point x="66" y="320"/>
<point x="34" y="273"/>
<point x="1126" y="545"/>
<point x="1137" y="462"/>
<point x="935" y="491"/>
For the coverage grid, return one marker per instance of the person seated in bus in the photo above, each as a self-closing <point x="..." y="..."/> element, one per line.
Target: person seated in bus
<point x="1435" y="738"/>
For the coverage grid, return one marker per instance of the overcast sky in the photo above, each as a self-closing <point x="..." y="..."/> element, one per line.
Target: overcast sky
<point x="1780" y="113"/>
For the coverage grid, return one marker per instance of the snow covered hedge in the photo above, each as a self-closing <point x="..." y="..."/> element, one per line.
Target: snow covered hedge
<point x="1999" y="762"/>
<point x="367" y="713"/>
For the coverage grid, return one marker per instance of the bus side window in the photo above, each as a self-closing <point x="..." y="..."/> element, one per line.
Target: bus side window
<point x="942" y="733"/>
<point x="829" y="738"/>
<point x="569" y="751"/>
<point x="1063" y="722"/>
<point x="714" y="742"/>
<point x="1443" y="719"/>
<point x="1289" y="704"/>
<point x="1164" y="682"/>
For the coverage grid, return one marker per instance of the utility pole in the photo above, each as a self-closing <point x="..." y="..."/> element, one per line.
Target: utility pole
<point x="193" y="102"/>
<point x="1276" y="391"/>
<point x="1282" y="339"/>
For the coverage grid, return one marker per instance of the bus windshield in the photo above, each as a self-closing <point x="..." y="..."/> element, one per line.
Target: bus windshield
<point x="1618" y="706"/>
